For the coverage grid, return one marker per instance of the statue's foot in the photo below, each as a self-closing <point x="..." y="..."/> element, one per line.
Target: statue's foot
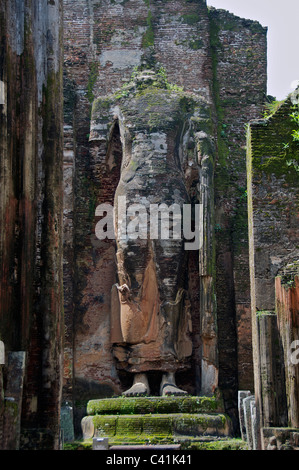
<point x="168" y="386"/>
<point x="169" y="389"/>
<point x="139" y="388"/>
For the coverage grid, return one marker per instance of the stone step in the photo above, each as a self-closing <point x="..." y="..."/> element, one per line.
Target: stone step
<point x="146" y="447"/>
<point x="156" y="425"/>
<point x="160" y="405"/>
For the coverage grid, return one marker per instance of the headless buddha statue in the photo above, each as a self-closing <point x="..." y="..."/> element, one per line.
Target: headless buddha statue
<point x="150" y="310"/>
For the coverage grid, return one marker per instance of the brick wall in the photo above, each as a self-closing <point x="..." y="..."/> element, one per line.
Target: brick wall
<point x="240" y="75"/>
<point x="272" y="161"/>
<point x="31" y="203"/>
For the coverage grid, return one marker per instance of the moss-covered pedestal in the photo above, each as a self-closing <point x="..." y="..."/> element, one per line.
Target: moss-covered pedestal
<point x="157" y="420"/>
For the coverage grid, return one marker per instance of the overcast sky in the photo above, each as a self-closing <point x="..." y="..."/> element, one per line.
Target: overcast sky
<point x="282" y="19"/>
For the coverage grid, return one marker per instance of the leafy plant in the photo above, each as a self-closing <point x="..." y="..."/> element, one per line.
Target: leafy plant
<point x="271" y="107"/>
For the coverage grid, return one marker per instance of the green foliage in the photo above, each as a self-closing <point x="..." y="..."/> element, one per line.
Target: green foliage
<point x="295" y="117"/>
<point x="271" y="107"/>
<point x="169" y="86"/>
<point x="278" y="139"/>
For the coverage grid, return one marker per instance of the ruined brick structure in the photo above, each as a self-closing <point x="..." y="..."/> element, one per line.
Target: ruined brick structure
<point x="219" y="58"/>
<point x="31" y="296"/>
<point x="273" y="210"/>
<point x="208" y="69"/>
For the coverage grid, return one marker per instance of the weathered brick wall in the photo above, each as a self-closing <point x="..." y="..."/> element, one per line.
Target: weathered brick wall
<point x="240" y="75"/>
<point x="211" y="53"/>
<point x="31" y="202"/>
<point x="287" y="307"/>
<point x="273" y="161"/>
<point x="273" y="195"/>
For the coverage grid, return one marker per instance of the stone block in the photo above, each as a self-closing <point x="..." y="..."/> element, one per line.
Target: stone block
<point x="66" y="423"/>
<point x="13" y="399"/>
<point x="254" y="425"/>
<point x="100" y="443"/>
<point x="265" y="294"/>
<point x="2" y="353"/>
<point x="247" y="418"/>
<point x="241" y="395"/>
<point x="87" y="427"/>
<point x="271" y="373"/>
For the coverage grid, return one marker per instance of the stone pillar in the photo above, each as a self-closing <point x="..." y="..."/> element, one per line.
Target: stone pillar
<point x="2" y="362"/>
<point x="31" y="197"/>
<point x="2" y="353"/>
<point x="273" y="398"/>
<point x="208" y="315"/>
<point x="254" y="425"/>
<point x="242" y="394"/>
<point x="67" y="423"/>
<point x="247" y="418"/>
<point x="15" y="372"/>
<point x="287" y="306"/>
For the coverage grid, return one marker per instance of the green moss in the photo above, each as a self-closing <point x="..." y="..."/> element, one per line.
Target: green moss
<point x="93" y="75"/>
<point x="11" y="409"/>
<point x="190" y="18"/>
<point x="274" y="151"/>
<point x="149" y="37"/>
<point x="221" y="444"/>
<point x="271" y="107"/>
<point x="157" y="425"/>
<point x="105" y="425"/>
<point x="223" y="150"/>
<point x="160" y="424"/>
<point x="129" y="425"/>
<point x="155" y="108"/>
<point x="262" y="313"/>
<point x="196" y="44"/>
<point x="145" y="405"/>
<point x="288" y="275"/>
<point x="78" y="445"/>
<point x="186" y="443"/>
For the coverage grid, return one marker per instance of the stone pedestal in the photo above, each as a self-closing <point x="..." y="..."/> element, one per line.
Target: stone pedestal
<point x="155" y="420"/>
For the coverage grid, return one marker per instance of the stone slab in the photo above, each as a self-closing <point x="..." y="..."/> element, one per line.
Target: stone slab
<point x="144" y="405"/>
<point x="13" y="399"/>
<point x="247" y="418"/>
<point x="147" y="447"/>
<point x="67" y="423"/>
<point x="241" y="395"/>
<point x="2" y="353"/>
<point x="100" y="443"/>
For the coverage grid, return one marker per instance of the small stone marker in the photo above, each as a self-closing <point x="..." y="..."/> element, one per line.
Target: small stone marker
<point x="2" y="92"/>
<point x="241" y="395"/>
<point x="247" y="415"/>
<point x="100" y="443"/>
<point x="2" y="353"/>
<point x="66" y="422"/>
<point x="254" y="429"/>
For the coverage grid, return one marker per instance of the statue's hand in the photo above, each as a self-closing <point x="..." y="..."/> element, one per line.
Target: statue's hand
<point x="124" y="291"/>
